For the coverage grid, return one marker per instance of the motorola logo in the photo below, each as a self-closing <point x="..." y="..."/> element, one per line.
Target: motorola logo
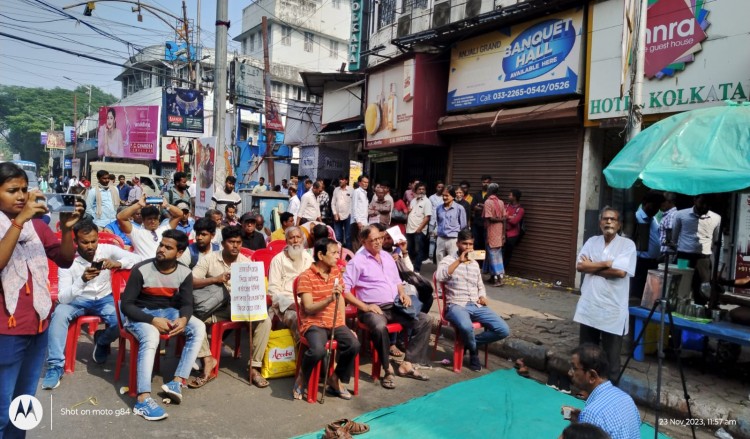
<point x="25" y="412"/>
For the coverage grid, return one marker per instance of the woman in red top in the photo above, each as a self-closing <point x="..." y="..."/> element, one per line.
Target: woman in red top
<point x="514" y="212"/>
<point x="25" y="302"/>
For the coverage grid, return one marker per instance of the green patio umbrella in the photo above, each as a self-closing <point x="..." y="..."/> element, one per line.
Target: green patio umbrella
<point x="694" y="152"/>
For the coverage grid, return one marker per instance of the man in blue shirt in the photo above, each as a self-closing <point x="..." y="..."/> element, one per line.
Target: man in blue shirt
<point x="647" y="241"/>
<point x="451" y="219"/>
<point x="607" y="407"/>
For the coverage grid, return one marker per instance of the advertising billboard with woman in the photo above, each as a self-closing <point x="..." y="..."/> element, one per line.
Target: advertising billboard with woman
<point x="129" y="132"/>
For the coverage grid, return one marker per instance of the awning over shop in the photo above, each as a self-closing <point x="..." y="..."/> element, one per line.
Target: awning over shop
<point x="341" y="127"/>
<point x="558" y="113"/>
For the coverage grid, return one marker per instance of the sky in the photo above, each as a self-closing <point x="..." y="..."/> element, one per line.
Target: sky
<point x="42" y="21"/>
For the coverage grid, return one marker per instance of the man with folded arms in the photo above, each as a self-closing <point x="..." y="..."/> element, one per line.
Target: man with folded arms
<point x="374" y="277"/>
<point x="285" y="267"/>
<point x="317" y="290"/>
<point x="158" y="299"/>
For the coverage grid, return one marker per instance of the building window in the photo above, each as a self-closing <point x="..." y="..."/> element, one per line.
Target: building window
<point x="251" y="43"/>
<point x="420" y="4"/>
<point x="333" y="49"/>
<point x="386" y="13"/>
<point x="286" y="35"/>
<point x="309" y="40"/>
<point x="336" y="4"/>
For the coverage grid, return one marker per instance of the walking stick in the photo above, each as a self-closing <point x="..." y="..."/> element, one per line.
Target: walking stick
<point x="327" y="361"/>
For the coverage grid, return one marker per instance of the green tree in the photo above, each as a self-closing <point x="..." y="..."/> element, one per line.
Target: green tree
<point x="25" y="113"/>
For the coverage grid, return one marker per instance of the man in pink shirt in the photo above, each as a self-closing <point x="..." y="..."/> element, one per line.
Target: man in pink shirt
<point x="374" y="277"/>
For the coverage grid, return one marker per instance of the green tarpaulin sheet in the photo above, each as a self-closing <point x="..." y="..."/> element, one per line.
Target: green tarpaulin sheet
<point x="498" y="405"/>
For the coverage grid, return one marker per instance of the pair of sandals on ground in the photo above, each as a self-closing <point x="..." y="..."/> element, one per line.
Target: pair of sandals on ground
<point x="209" y="363"/>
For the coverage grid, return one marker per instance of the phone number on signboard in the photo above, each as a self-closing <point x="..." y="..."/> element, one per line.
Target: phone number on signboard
<point x="530" y="90"/>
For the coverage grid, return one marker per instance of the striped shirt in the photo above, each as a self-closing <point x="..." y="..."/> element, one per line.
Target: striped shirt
<point x="464" y="285"/>
<point x="151" y="289"/>
<point x="311" y="281"/>
<point x="613" y="411"/>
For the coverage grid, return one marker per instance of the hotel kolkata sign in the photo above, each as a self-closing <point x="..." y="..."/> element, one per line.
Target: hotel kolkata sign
<point x="684" y="69"/>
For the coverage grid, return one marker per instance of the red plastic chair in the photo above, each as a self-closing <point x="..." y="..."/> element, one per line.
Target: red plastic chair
<point x="119" y="279"/>
<point x="247" y="252"/>
<point x="346" y="254"/>
<point x="71" y="342"/>
<point x="314" y="382"/>
<point x="265" y="256"/>
<point x="458" y="347"/>
<point x="217" y="335"/>
<point x="276" y="246"/>
<point x="376" y="360"/>
<point x="111" y="238"/>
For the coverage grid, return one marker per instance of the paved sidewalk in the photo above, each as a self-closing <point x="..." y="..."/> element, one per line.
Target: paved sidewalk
<point x="543" y="333"/>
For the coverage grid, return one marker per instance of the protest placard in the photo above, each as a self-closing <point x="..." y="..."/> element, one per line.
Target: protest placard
<point x="248" y="295"/>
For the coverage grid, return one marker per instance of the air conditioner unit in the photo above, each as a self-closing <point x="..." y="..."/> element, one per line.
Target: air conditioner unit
<point x="403" y="27"/>
<point x="441" y="14"/>
<point x="473" y="7"/>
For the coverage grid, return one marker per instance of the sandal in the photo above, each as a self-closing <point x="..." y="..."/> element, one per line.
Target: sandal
<point x="351" y="427"/>
<point x="200" y="381"/>
<point x="343" y="393"/>
<point x="299" y="393"/>
<point x="334" y="431"/>
<point x="395" y="352"/>
<point x="257" y="379"/>
<point x="387" y="382"/>
<point x="413" y="374"/>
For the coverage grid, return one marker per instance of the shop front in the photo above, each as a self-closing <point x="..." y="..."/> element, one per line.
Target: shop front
<point x="401" y="114"/>
<point x="691" y="62"/>
<point x="515" y="114"/>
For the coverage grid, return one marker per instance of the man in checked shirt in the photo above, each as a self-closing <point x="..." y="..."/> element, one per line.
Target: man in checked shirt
<point x="467" y="301"/>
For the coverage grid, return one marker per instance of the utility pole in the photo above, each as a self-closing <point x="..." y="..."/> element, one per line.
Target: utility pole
<point x="186" y="30"/>
<point x="197" y="47"/>
<point x="75" y="124"/>
<point x="220" y="87"/>
<point x="267" y="86"/>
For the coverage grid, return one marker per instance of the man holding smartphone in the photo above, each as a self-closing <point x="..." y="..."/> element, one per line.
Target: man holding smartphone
<point x="85" y="289"/>
<point x="466" y="299"/>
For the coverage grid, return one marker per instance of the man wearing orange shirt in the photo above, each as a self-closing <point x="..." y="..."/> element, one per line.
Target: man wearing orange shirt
<point x="317" y="288"/>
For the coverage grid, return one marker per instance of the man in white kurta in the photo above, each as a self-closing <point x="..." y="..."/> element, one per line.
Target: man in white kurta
<point x="607" y="261"/>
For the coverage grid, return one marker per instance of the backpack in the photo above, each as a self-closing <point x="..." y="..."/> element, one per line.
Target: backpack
<point x="194" y="254"/>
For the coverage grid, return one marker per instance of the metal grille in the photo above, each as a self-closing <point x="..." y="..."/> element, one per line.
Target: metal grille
<point x="544" y="165"/>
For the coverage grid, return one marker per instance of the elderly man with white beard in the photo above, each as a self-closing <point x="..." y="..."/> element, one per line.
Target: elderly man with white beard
<point x="285" y="267"/>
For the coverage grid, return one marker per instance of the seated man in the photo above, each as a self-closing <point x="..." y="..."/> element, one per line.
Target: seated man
<point x="467" y="301"/>
<point x="319" y="290"/>
<point x="287" y="220"/>
<point x="285" y="267"/>
<point x="146" y="239"/>
<point x="158" y="299"/>
<point x="85" y="289"/>
<point x="251" y="238"/>
<point x="606" y="406"/>
<point x="215" y="269"/>
<point x="204" y="244"/>
<point x="373" y="275"/>
<point x="114" y="228"/>
<point x="186" y="222"/>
